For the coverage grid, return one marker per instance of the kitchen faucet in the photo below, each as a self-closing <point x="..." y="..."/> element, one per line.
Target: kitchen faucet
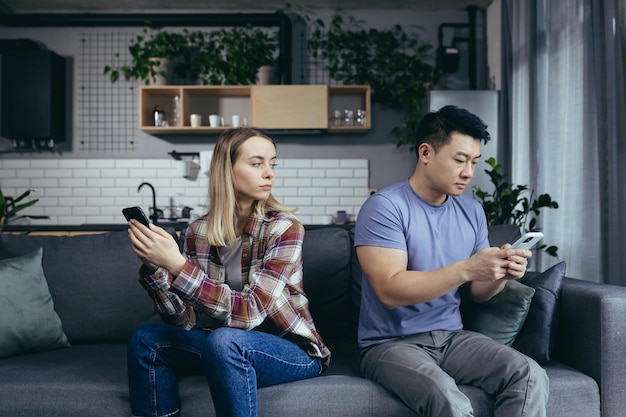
<point x="155" y="214"/>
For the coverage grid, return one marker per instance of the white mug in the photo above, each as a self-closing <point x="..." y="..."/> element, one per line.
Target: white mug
<point x="195" y="119"/>
<point x="236" y="120"/>
<point x="214" y="120"/>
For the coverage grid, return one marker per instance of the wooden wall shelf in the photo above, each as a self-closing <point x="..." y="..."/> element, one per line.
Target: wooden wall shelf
<point x="272" y="107"/>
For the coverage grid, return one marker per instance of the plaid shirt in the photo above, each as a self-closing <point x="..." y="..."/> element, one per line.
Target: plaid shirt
<point x="272" y="298"/>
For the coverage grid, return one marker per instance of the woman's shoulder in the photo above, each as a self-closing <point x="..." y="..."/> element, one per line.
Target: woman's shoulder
<point x="280" y="221"/>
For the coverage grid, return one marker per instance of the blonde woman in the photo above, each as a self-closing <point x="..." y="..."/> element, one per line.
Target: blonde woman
<point x="233" y="303"/>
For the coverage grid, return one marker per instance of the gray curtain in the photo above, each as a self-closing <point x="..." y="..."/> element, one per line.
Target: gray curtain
<point x="563" y="83"/>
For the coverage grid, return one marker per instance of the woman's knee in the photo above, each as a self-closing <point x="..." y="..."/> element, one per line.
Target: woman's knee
<point x="145" y="334"/>
<point x="223" y="342"/>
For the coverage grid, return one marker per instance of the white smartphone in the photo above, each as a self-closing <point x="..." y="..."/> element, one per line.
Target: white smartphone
<point x="527" y="241"/>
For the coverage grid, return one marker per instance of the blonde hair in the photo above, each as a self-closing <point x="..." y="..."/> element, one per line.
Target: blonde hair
<point x="222" y="196"/>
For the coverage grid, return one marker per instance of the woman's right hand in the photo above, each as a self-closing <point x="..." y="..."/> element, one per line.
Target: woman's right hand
<point x="156" y="247"/>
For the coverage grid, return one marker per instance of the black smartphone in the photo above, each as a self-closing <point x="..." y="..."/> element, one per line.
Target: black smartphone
<point x="136" y="213"/>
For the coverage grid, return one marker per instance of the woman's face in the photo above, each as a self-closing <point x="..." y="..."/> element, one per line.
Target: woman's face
<point x="253" y="171"/>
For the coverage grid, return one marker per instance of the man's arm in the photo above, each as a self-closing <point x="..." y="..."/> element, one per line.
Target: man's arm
<point x="395" y="286"/>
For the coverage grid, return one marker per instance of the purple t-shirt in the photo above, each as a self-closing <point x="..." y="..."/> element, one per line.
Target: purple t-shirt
<point x="433" y="237"/>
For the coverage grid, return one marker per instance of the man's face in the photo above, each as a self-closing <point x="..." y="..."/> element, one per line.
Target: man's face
<point x="449" y="171"/>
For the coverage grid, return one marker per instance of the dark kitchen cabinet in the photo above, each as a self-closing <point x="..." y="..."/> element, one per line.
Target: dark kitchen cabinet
<point x="33" y="95"/>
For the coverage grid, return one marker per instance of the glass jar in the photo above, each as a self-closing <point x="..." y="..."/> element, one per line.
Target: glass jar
<point x="159" y="116"/>
<point x="348" y="118"/>
<point x="361" y="118"/>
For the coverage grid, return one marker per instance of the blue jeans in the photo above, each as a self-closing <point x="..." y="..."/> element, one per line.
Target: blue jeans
<point x="235" y="362"/>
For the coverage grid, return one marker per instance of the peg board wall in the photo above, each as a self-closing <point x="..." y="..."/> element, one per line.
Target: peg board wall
<point x="106" y="116"/>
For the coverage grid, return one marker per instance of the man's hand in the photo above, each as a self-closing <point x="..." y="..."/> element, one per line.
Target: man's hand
<point x="492" y="267"/>
<point x="493" y="264"/>
<point x="156" y="247"/>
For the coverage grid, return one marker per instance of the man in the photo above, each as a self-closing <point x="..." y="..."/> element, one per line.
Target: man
<point x="417" y="242"/>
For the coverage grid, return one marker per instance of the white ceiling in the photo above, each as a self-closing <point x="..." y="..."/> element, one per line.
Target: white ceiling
<point x="150" y="6"/>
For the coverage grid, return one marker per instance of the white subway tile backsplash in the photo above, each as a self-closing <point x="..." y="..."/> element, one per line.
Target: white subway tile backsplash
<point x="41" y="183"/>
<point x="57" y="192"/>
<point x="339" y="173"/>
<point x="311" y="173"/>
<point x="340" y="191"/>
<point x="15" y="163"/>
<point x="102" y="163"/>
<point x="77" y="191"/>
<point x="325" y="163"/>
<point x="297" y="182"/>
<point x="296" y="163"/>
<point x="311" y="191"/>
<point x="354" y="182"/>
<point x="44" y="163"/>
<point x="354" y="163"/>
<point x="325" y="182"/>
<point x="31" y="173"/>
<point x="72" y="163"/>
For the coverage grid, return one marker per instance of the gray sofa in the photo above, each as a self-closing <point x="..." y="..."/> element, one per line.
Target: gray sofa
<point x="92" y="280"/>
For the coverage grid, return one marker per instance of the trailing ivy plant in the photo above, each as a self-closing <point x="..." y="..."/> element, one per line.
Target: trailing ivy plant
<point x="10" y="207"/>
<point x="396" y="65"/>
<point x="512" y="204"/>
<point x="241" y="52"/>
<point x="226" y="56"/>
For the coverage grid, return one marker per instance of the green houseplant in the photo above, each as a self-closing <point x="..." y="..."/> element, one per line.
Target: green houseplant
<point x="241" y="52"/>
<point x="188" y="52"/>
<point x="10" y="207"/>
<point x="394" y="63"/>
<point x="226" y="56"/>
<point x="511" y="204"/>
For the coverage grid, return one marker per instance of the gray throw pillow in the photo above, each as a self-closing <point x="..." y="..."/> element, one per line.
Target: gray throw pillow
<point x="502" y="317"/>
<point x="28" y="321"/>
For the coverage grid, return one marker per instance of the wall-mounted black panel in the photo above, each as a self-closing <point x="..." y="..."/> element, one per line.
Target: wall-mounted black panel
<point x="33" y="95"/>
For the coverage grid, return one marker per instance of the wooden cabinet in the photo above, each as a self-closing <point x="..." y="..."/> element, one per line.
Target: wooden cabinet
<point x="272" y="107"/>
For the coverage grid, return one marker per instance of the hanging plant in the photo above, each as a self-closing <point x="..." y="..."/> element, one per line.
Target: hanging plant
<point x="228" y="56"/>
<point x="396" y="65"/>
<point x="511" y="204"/>
<point x="242" y="51"/>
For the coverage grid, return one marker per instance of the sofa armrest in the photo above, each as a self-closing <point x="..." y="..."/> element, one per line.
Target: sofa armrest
<point x="592" y="338"/>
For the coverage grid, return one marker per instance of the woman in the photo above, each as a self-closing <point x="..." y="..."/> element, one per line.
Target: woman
<point x="233" y="301"/>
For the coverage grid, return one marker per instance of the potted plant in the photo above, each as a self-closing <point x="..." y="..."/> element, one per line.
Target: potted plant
<point x="10" y="207"/>
<point x="243" y="51"/>
<point x="156" y="55"/>
<point x="226" y="56"/>
<point x="394" y="63"/>
<point x="510" y="204"/>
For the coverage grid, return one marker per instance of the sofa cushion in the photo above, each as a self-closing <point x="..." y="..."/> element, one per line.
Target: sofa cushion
<point x="326" y="273"/>
<point x="500" y="318"/>
<point x="28" y="321"/>
<point x="537" y="336"/>
<point x="93" y="282"/>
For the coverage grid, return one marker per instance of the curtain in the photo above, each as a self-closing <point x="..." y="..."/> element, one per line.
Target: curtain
<point x="564" y="82"/>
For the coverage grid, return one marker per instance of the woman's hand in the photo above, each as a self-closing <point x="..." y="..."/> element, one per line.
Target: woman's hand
<point x="155" y="247"/>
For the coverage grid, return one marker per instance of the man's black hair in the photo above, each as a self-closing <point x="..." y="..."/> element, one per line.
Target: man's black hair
<point x="435" y="127"/>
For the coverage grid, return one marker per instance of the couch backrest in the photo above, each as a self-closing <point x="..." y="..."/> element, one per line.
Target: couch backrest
<point x="328" y="266"/>
<point x="93" y="283"/>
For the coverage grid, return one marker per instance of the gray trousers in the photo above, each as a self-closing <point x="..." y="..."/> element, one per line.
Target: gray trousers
<point x="424" y="370"/>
